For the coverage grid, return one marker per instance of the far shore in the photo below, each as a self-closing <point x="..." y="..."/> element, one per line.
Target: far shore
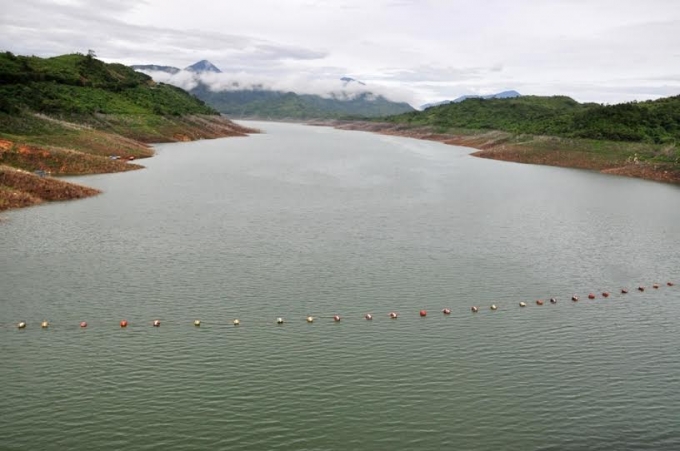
<point x="618" y="158"/>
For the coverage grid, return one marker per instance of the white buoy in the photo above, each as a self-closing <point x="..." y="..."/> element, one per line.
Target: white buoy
<point x="494" y="307"/>
<point x="553" y="301"/>
<point x="368" y="316"/>
<point x="310" y="319"/>
<point x="522" y="304"/>
<point x="45" y="324"/>
<point x="279" y="320"/>
<point x="156" y="323"/>
<point x="22" y="325"/>
<point x="474" y="309"/>
<point x="236" y="322"/>
<point x="336" y="318"/>
<point x="197" y="323"/>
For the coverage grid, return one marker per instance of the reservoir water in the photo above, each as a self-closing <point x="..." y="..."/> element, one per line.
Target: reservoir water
<point x="302" y="221"/>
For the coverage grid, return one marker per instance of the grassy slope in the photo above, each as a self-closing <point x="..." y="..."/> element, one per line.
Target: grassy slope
<point x="69" y="114"/>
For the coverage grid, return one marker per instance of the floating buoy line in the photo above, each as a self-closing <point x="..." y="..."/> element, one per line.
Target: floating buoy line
<point x="45" y="324"/>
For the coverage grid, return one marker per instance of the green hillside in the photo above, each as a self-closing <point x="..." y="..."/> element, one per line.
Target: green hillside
<point x="266" y="104"/>
<point x="79" y="84"/>
<point x="655" y="121"/>
<point x="74" y="114"/>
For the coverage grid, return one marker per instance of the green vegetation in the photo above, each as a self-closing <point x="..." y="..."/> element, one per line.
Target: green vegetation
<point x="291" y="106"/>
<point x="655" y="121"/>
<point x="74" y="114"/>
<point x="79" y="84"/>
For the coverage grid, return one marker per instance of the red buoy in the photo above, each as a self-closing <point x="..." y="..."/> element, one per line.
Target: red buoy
<point x="605" y="294"/>
<point x="336" y="318"/>
<point x="670" y="284"/>
<point x="641" y="288"/>
<point x="655" y="286"/>
<point x="156" y="323"/>
<point x="83" y="324"/>
<point x="624" y="291"/>
<point x="123" y="323"/>
<point x="131" y="157"/>
<point x="539" y="302"/>
<point x="591" y="296"/>
<point x="393" y="315"/>
<point x="474" y="309"/>
<point x="368" y="316"/>
<point x="423" y="313"/>
<point x="446" y="311"/>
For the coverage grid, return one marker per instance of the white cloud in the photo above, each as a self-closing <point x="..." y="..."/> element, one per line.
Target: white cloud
<point x="593" y="50"/>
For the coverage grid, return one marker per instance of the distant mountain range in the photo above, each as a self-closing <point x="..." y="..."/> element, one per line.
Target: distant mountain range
<point x="268" y="104"/>
<point x="500" y="95"/>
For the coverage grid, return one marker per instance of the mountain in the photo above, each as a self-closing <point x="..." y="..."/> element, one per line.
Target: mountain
<point x="267" y="104"/>
<point x="203" y="66"/>
<point x="348" y="80"/>
<point x="258" y="102"/>
<point x="653" y="121"/>
<point x="500" y="95"/>
<point x="155" y="68"/>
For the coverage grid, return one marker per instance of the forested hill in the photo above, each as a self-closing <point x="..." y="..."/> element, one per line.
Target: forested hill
<point x="656" y="121"/>
<point x="82" y="84"/>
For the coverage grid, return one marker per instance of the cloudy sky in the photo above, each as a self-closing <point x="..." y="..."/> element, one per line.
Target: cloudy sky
<point x="416" y="50"/>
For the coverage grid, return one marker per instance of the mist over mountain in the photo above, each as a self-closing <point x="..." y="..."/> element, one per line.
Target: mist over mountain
<point x="155" y="68"/>
<point x="249" y="95"/>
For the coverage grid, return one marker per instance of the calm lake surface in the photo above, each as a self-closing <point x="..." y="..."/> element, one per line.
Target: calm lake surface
<point x="314" y="221"/>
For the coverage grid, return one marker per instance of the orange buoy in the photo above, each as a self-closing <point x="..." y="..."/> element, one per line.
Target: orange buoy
<point x="539" y="302"/>
<point x="605" y="294"/>
<point x="156" y="323"/>
<point x="393" y="315"/>
<point x="336" y="318"/>
<point x="368" y="316"/>
<point x="641" y="288"/>
<point x="624" y="291"/>
<point x="591" y="296"/>
<point x="474" y="309"/>
<point x="553" y="301"/>
<point x="423" y="313"/>
<point x="670" y="284"/>
<point x="123" y="323"/>
<point x="446" y="311"/>
<point x="574" y="298"/>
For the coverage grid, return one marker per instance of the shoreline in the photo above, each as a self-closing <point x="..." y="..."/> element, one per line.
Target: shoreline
<point x="31" y="164"/>
<point x="618" y="158"/>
